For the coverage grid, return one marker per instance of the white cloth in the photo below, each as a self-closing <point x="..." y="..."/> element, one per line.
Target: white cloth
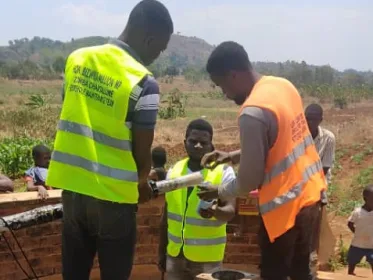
<point x="363" y="222"/>
<point x="325" y="145"/>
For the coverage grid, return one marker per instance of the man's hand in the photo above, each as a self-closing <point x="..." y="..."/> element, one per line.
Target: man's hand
<point x="42" y="192"/>
<point x="215" y="158"/>
<point x="208" y="193"/>
<point x="145" y="192"/>
<point x="208" y="213"/>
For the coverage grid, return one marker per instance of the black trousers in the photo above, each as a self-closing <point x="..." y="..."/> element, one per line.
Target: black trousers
<point x="93" y="226"/>
<point x="289" y="255"/>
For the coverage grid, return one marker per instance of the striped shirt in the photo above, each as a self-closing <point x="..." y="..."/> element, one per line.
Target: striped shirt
<point x="325" y="145"/>
<point x="144" y="99"/>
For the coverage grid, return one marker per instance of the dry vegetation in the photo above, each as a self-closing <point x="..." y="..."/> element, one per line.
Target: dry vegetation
<point x="24" y="122"/>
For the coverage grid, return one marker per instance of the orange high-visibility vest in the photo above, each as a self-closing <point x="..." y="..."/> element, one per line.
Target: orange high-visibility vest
<point x="294" y="175"/>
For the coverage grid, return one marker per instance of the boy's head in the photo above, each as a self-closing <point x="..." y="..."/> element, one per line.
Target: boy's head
<point x="314" y="116"/>
<point x="198" y="139"/>
<point x="41" y="155"/>
<point x="159" y="157"/>
<point x="368" y="196"/>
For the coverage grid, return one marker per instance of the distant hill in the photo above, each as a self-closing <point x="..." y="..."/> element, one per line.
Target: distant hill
<point x="44" y="58"/>
<point x="182" y="51"/>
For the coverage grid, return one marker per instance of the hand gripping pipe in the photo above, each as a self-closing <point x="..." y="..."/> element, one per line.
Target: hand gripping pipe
<point x="50" y="213"/>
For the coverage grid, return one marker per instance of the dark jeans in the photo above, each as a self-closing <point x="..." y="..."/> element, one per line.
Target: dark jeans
<point x="289" y="255"/>
<point x="93" y="226"/>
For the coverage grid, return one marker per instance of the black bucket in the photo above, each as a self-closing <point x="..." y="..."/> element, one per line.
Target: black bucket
<point x="228" y="275"/>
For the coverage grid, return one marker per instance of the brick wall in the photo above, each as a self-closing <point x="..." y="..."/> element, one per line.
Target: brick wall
<point x="42" y="243"/>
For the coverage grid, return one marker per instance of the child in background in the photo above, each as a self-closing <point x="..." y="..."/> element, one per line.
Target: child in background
<point x="361" y="224"/>
<point x="36" y="175"/>
<point x="159" y="159"/>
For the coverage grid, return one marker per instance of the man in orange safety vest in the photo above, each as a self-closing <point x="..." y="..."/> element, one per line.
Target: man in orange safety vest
<point x="277" y="156"/>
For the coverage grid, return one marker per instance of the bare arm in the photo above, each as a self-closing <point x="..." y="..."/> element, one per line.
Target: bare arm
<point x="6" y="185"/>
<point x="31" y="186"/>
<point x="351" y="226"/>
<point x="235" y="156"/>
<point x="141" y="148"/>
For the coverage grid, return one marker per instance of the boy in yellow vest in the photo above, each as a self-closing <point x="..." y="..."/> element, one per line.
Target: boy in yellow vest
<point x="192" y="238"/>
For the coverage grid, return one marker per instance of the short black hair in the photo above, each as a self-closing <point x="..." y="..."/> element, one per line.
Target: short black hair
<point x="159" y="156"/>
<point x="228" y="56"/>
<point x="367" y="190"/>
<point x="152" y="17"/>
<point x="199" y="124"/>
<point x="315" y="109"/>
<point x="39" y="150"/>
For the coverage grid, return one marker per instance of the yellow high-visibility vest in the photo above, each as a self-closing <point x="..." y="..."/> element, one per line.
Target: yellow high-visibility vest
<point x="93" y="150"/>
<point x="202" y="240"/>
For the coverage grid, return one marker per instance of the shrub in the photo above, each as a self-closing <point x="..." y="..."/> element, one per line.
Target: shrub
<point x="340" y="102"/>
<point x="173" y="106"/>
<point x="36" y="101"/>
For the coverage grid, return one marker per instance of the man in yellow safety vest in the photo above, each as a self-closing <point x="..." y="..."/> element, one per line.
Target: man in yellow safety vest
<point x="102" y="151"/>
<point x="193" y="236"/>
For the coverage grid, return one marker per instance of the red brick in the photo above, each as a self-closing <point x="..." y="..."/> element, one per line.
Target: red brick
<point x="148" y="220"/>
<point x="147" y="235"/>
<point x="44" y="229"/>
<point x="147" y="249"/>
<point x="233" y="228"/>
<point x="242" y="249"/>
<point x="42" y="243"/>
<point x="149" y="210"/>
<point x="58" y="269"/>
<point x="146" y="259"/>
<point x="44" y="271"/>
<point x="50" y="240"/>
<point x="30" y="254"/>
<point x="239" y="239"/>
<point x="11" y="266"/>
<point x="242" y="259"/>
<point x="19" y="275"/>
<point x="254" y="240"/>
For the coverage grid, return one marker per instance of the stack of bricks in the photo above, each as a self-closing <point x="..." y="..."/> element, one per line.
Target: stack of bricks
<point x="42" y="243"/>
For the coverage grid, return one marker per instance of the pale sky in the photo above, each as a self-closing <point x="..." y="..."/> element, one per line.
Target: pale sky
<point x="339" y="33"/>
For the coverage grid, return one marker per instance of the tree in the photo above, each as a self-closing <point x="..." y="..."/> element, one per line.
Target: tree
<point x="172" y="71"/>
<point x="59" y="64"/>
<point x="324" y="75"/>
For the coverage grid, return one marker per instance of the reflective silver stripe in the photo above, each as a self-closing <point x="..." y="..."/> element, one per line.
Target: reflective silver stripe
<point x="174" y="217"/>
<point x="195" y="221"/>
<point x="198" y="241"/>
<point x="175" y="239"/>
<point x="203" y="222"/>
<point x="284" y="164"/>
<point x="95" y="167"/>
<point x="79" y="129"/>
<point x="294" y="192"/>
